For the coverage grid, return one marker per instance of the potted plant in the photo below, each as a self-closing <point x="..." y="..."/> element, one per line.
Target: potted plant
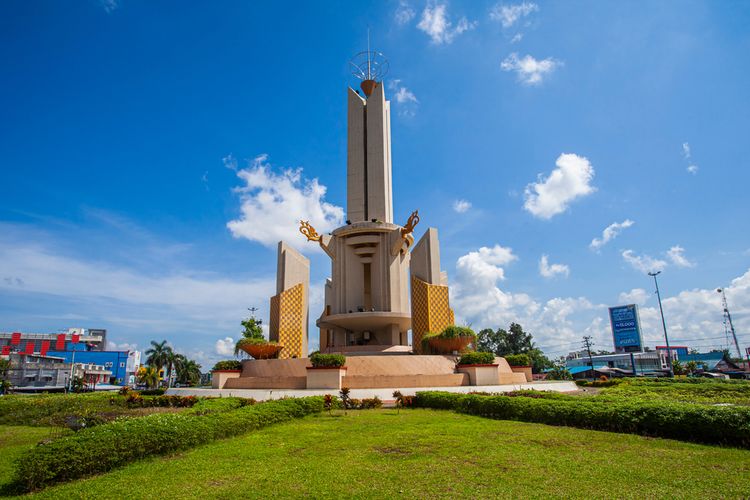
<point x="326" y="372"/>
<point x="254" y="343"/>
<point x="520" y="363"/>
<point x="452" y="339"/>
<point x="223" y="371"/>
<point x="480" y="366"/>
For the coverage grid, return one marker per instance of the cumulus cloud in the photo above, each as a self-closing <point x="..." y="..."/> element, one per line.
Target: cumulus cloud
<point x="484" y="266"/>
<point x="686" y="150"/>
<point x="516" y="38"/>
<point x="552" y="195"/>
<point x="404" y="13"/>
<point x="677" y="255"/>
<point x="461" y="206"/>
<point x="643" y="263"/>
<point x="692" y="169"/>
<point x="225" y="346"/>
<point x="548" y="270"/>
<point x="508" y="15"/>
<point x="610" y="233"/>
<point x="436" y="24"/>
<point x="407" y="101"/>
<point x="272" y="204"/>
<point x="635" y="296"/>
<point x="530" y="71"/>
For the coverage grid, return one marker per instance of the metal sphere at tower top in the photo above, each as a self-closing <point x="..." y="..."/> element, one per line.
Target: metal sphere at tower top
<point x="369" y="65"/>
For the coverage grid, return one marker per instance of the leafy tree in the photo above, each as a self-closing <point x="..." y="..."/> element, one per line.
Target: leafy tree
<point x="512" y="341"/>
<point x="188" y="371"/>
<point x="5" y="385"/>
<point x="677" y="368"/>
<point x="159" y="355"/>
<point x="149" y="376"/>
<point x="559" y="372"/>
<point x="78" y="384"/>
<point x="252" y="333"/>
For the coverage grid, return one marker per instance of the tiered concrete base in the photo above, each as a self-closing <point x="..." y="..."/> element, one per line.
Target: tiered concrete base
<point x="370" y="372"/>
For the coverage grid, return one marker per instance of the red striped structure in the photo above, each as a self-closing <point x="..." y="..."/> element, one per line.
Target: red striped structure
<point x="45" y="347"/>
<point x="60" y="342"/>
<point x="29" y="347"/>
<point x="15" y="338"/>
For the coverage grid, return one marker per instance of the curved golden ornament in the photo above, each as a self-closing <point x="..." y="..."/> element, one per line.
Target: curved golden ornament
<point x="410" y="223"/>
<point x="310" y="233"/>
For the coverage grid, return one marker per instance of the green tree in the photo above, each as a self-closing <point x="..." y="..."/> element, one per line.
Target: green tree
<point x="188" y="370"/>
<point x="559" y="372"/>
<point x="159" y="355"/>
<point x="5" y="385"/>
<point x="512" y="341"/>
<point x="252" y="333"/>
<point x="691" y="367"/>
<point x="149" y="376"/>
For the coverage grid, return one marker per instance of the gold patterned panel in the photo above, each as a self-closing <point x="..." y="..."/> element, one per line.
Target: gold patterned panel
<point x="288" y="322"/>
<point x="430" y="310"/>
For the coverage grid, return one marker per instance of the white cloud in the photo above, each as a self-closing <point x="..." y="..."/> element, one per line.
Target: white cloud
<point x="272" y="204"/>
<point x="635" y="296"/>
<point x="530" y="71"/>
<point x="109" y="5"/>
<point x="230" y="162"/>
<point x="404" y="13"/>
<point x="516" y="38"/>
<point x="125" y="346"/>
<point x="693" y="169"/>
<point x="405" y="95"/>
<point x="509" y="14"/>
<point x="548" y="270"/>
<point x="610" y="233"/>
<point x="461" y="206"/>
<point x="643" y="263"/>
<point x="686" y="150"/>
<point x="435" y="23"/>
<point x="676" y="255"/>
<point x="484" y="265"/>
<point x="569" y="181"/>
<point x="225" y="346"/>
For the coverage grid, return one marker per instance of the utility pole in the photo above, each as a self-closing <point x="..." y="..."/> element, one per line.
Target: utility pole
<point x="663" y="324"/>
<point x="728" y="319"/>
<point x="587" y="342"/>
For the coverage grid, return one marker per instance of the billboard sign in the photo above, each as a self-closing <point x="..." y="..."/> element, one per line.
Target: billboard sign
<point x="626" y="328"/>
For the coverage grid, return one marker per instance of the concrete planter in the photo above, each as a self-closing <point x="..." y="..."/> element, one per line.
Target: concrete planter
<point x="262" y="351"/>
<point x="220" y="377"/>
<point x="481" y="374"/>
<point x="448" y="346"/>
<point x="324" y="377"/>
<point x="526" y="370"/>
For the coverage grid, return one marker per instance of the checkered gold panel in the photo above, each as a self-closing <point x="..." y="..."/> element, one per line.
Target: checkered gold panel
<point x="430" y="310"/>
<point x="287" y="325"/>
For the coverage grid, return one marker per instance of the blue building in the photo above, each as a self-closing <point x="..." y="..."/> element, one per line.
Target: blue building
<point x="115" y="361"/>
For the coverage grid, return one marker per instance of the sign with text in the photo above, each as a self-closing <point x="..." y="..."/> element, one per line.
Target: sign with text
<point x="626" y="328"/>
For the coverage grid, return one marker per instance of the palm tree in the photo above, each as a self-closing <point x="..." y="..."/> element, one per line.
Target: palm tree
<point x="159" y="355"/>
<point x="188" y="371"/>
<point x="149" y="376"/>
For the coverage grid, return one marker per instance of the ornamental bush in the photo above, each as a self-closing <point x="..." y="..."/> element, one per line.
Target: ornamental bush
<point x="320" y="360"/>
<point x="105" y="447"/>
<point x="476" y="358"/>
<point x="518" y="359"/>
<point x="453" y="331"/>
<point x="228" y="364"/>
<point x="687" y="422"/>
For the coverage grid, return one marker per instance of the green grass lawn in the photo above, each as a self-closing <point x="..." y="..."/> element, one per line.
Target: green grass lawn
<point x="420" y="453"/>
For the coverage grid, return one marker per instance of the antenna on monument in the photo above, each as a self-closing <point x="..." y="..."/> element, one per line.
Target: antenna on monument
<point x="370" y="66"/>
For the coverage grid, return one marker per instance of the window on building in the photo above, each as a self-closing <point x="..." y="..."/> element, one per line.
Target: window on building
<point x="122" y="365"/>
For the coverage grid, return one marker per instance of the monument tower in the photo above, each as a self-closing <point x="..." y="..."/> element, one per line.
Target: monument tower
<point x="367" y="307"/>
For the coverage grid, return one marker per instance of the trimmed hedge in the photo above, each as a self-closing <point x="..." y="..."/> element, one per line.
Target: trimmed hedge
<point x="476" y="358"/>
<point x="320" y="360"/>
<point x="108" y="446"/>
<point x="228" y="364"/>
<point x="687" y="422"/>
<point x="518" y="359"/>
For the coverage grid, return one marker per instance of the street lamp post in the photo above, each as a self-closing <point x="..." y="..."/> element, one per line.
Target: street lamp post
<point x="663" y="323"/>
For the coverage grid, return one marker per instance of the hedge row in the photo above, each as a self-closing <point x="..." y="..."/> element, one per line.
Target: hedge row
<point x="687" y="422"/>
<point x="105" y="447"/>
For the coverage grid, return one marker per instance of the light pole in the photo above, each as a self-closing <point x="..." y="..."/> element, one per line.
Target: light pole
<point x="663" y="323"/>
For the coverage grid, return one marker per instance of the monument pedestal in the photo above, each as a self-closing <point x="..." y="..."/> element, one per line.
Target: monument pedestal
<point x="481" y="374"/>
<point x="325" y="378"/>
<point x="220" y="377"/>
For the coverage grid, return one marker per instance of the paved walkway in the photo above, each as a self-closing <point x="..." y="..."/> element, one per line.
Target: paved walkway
<point x="384" y="394"/>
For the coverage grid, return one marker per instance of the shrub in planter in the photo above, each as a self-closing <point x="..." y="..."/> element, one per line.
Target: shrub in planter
<point x="229" y="364"/>
<point x="518" y="359"/>
<point x="259" y="348"/>
<point x="476" y="358"/>
<point x="452" y="338"/>
<point x="320" y="360"/>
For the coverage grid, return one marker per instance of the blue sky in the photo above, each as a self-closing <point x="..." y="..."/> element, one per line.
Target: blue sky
<point x="134" y="132"/>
